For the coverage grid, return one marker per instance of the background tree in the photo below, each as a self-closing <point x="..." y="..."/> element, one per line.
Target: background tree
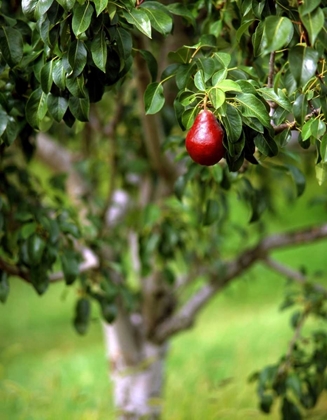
<point x="121" y="212"/>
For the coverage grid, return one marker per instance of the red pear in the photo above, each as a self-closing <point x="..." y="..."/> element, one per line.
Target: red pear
<point x="204" y="141"/>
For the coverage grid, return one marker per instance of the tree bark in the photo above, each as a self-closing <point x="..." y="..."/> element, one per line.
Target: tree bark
<point x="137" y="385"/>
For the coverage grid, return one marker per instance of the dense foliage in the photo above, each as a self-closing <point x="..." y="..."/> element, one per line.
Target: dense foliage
<point x="260" y="66"/>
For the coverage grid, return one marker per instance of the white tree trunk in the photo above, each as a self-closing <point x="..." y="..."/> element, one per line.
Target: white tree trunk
<point x="138" y="382"/>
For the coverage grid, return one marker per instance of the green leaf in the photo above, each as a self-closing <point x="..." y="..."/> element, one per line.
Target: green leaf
<point x="188" y="117"/>
<point x="109" y="310"/>
<point x="28" y="8"/>
<point x="70" y="265"/>
<point x="290" y="411"/>
<point x="232" y="123"/>
<point x="180" y="186"/>
<point x="199" y="80"/>
<point x="217" y="97"/>
<point x="36" y="108"/>
<point x="77" y="57"/>
<point x="140" y="20"/>
<point x="154" y="98"/>
<point x="59" y="74"/>
<point x="223" y="58"/>
<point x="159" y="17"/>
<point x="82" y="15"/>
<point x="151" y="63"/>
<point x="219" y="76"/>
<point x="28" y="229"/>
<point x="11" y="45"/>
<point x="323" y="149"/>
<point x="124" y="42"/>
<point x="182" y="10"/>
<point x="57" y="106"/>
<point x="308" y="6"/>
<point x="80" y="108"/>
<point x="303" y="63"/>
<point x="318" y="128"/>
<point x="99" y="51"/>
<point x="42" y="7"/>
<point x="298" y="178"/>
<point x="46" y="76"/>
<point x="277" y="33"/>
<point x="278" y="97"/>
<point x="183" y="75"/>
<point x="182" y="55"/>
<point x="207" y="65"/>
<point x="211" y="214"/>
<point x="11" y="132"/>
<point x="228" y="85"/>
<point x="253" y="107"/>
<point x="67" y="4"/>
<point x="77" y="86"/>
<point x="35" y="248"/>
<point x="321" y="172"/>
<point x="242" y="29"/>
<point x="266" y="145"/>
<point x="313" y="23"/>
<point x="307" y="129"/>
<point x="3" y="121"/>
<point x="82" y="315"/>
<point x="100" y="6"/>
<point x="300" y="108"/>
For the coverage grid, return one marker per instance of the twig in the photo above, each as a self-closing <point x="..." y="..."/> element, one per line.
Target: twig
<point x="294" y="275"/>
<point x="90" y="262"/>
<point x="271" y="73"/>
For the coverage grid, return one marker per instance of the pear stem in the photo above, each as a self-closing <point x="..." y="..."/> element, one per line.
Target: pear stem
<point x="205" y="102"/>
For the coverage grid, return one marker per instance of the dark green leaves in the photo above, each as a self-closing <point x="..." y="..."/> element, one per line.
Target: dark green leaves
<point x="99" y="51"/>
<point x="77" y="56"/>
<point x="303" y="63"/>
<point x="57" y="106"/>
<point x="70" y="265"/>
<point x="80" y="108"/>
<point x="82" y="315"/>
<point x="232" y="123"/>
<point x="11" y="45"/>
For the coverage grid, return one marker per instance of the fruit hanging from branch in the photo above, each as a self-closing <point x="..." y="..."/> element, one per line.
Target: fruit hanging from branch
<point x="204" y="141"/>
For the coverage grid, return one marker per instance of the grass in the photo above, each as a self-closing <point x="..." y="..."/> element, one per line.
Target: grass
<point x="47" y="372"/>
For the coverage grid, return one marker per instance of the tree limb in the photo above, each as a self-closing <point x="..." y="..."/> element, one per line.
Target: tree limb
<point x="90" y="261"/>
<point x="292" y="274"/>
<point x="186" y="315"/>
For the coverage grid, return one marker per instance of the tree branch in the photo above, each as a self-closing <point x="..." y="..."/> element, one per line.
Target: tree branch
<point x="186" y="315"/>
<point x="90" y="261"/>
<point x="292" y="274"/>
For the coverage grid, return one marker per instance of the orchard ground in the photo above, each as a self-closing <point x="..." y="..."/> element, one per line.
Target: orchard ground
<point x="48" y="372"/>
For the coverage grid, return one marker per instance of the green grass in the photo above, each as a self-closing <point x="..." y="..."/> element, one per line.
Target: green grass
<point x="48" y="372"/>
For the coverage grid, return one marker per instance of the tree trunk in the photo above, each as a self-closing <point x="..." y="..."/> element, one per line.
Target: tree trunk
<point x="137" y="382"/>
